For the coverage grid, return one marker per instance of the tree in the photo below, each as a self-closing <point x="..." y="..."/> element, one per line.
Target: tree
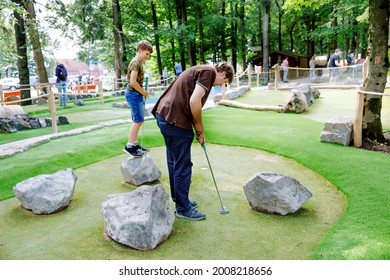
<point x="117" y="43"/>
<point x="378" y="65"/>
<point x="266" y="19"/>
<point x="32" y="27"/>
<point x="21" y="48"/>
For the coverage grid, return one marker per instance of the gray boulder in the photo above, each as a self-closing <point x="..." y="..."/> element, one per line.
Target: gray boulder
<point x="137" y="171"/>
<point x="10" y="111"/>
<point x="310" y="93"/>
<point x="141" y="219"/>
<point x="46" y="194"/>
<point x="338" y="130"/>
<point x="295" y="102"/>
<point x="275" y="193"/>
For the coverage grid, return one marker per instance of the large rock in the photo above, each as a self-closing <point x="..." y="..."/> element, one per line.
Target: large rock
<point x="295" y="102"/>
<point x="46" y="194"/>
<point x="310" y="93"/>
<point x="138" y="171"/>
<point x="275" y="193"/>
<point x="338" y="130"/>
<point x="8" y="125"/>
<point x="141" y="219"/>
<point x="10" y="111"/>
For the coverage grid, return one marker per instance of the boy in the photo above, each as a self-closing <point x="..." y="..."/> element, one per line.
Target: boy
<point x="135" y="96"/>
<point x="179" y="113"/>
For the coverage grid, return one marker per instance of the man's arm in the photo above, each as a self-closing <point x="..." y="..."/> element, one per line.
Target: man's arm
<point x="196" y="110"/>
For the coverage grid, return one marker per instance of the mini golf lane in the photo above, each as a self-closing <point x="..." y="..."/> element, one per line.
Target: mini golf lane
<point x="78" y="233"/>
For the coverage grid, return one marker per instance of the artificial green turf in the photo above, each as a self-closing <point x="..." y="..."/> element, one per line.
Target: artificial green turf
<point x="361" y="233"/>
<point x="77" y="231"/>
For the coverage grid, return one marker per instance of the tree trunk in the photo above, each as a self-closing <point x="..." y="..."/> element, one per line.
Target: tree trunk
<point x="156" y="39"/>
<point x="378" y="65"/>
<point x="233" y="36"/>
<point x="280" y="15"/>
<point x="21" y="47"/>
<point x="36" y="44"/>
<point x="123" y="42"/>
<point x="172" y="41"/>
<point x="266" y="20"/>
<point x="179" y="11"/>
<point x="201" y="35"/>
<point x="117" y="42"/>
<point x="243" y="38"/>
<point x="223" y="33"/>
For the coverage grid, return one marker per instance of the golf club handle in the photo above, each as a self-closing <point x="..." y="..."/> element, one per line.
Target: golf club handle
<point x="204" y="146"/>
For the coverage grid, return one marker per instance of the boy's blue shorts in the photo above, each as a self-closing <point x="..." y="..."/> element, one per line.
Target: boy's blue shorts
<point x="135" y="100"/>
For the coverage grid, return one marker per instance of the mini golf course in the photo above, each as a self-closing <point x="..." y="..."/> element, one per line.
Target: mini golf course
<point x="347" y="217"/>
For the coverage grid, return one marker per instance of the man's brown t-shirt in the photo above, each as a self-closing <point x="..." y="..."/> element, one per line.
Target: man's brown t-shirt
<point x="174" y="104"/>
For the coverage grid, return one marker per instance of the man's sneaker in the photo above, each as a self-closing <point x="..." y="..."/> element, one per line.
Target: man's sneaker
<point x="139" y="147"/>
<point x="191" y="214"/>
<point x="133" y="151"/>
<point x="194" y="204"/>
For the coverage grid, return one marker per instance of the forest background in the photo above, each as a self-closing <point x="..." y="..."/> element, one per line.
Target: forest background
<point x="197" y="32"/>
<point x="188" y="31"/>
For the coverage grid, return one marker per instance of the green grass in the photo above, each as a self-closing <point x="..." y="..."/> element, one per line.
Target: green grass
<point x="361" y="233"/>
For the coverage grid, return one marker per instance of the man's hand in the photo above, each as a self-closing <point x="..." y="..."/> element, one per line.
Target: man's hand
<point x="200" y="137"/>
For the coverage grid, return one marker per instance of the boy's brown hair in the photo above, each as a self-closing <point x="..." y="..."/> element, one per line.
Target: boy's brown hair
<point x="227" y="68"/>
<point x="145" y="46"/>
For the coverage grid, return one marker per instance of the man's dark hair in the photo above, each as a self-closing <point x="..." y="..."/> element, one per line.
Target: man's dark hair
<point x="227" y="68"/>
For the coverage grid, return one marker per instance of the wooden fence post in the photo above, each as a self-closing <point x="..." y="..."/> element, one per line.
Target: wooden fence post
<point x="258" y="72"/>
<point x="358" y="120"/>
<point x="1" y="96"/>
<point x="277" y="76"/>
<point x="364" y="70"/>
<point x="52" y="108"/>
<point x="100" y="91"/>
<point x="249" y="76"/>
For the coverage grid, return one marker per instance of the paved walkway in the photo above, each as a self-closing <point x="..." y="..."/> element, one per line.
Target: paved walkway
<point x="9" y="149"/>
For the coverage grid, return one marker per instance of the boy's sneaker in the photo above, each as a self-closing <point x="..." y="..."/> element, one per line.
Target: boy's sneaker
<point x="191" y="214"/>
<point x="139" y="147"/>
<point x="133" y="150"/>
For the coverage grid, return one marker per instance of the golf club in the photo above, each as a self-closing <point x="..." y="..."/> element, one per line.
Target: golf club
<point x="143" y="126"/>
<point x="223" y="210"/>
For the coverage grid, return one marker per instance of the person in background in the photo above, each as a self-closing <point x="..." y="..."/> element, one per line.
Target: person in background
<point x="351" y="61"/>
<point x="62" y="76"/>
<point x="165" y="76"/>
<point x="333" y="63"/>
<point x="178" y="69"/>
<point x="179" y="113"/>
<point x="285" y="69"/>
<point x="312" y="65"/>
<point x="135" y="97"/>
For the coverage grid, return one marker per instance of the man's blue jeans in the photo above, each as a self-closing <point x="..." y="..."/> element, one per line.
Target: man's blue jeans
<point x="178" y="143"/>
<point x="62" y="91"/>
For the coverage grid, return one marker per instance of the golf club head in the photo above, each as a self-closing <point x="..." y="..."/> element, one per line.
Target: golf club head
<point x="224" y="210"/>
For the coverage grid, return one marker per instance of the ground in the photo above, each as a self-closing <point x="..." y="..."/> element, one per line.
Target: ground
<point x="378" y="146"/>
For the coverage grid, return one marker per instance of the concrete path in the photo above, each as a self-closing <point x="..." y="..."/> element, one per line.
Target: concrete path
<point x="9" y="149"/>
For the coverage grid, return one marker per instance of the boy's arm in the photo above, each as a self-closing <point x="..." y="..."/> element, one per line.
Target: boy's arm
<point x="196" y="110"/>
<point x="136" y="85"/>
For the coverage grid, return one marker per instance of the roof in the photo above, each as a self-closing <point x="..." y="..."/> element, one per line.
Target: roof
<point x="75" y="67"/>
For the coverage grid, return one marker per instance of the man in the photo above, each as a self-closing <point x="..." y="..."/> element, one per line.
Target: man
<point x="62" y="76"/>
<point x="178" y="69"/>
<point x="178" y="112"/>
<point x="334" y="61"/>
